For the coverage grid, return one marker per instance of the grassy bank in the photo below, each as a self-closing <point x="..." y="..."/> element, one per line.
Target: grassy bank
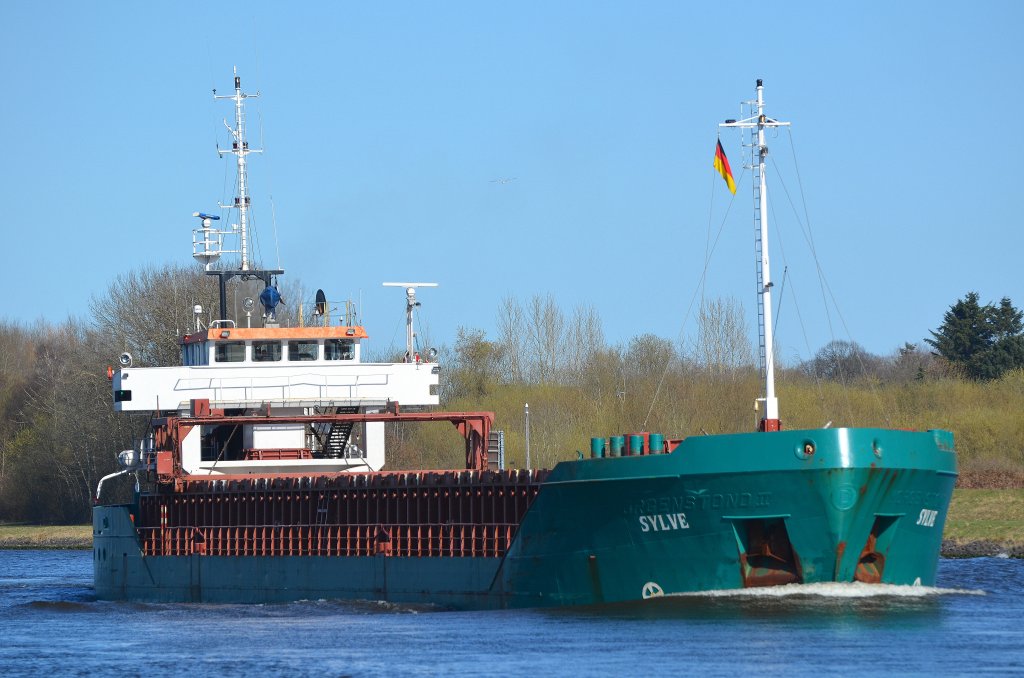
<point x="45" y="536"/>
<point x="980" y="522"/>
<point x="985" y="522"/>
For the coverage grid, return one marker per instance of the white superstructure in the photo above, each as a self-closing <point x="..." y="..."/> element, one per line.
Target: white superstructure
<point x="273" y="370"/>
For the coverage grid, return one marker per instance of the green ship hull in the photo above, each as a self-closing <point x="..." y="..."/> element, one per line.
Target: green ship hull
<point x="718" y="512"/>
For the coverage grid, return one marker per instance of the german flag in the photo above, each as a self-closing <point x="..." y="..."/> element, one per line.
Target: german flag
<point x="722" y="165"/>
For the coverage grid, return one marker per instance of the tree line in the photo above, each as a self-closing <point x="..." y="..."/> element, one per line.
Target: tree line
<point x="578" y="385"/>
<point x="59" y="434"/>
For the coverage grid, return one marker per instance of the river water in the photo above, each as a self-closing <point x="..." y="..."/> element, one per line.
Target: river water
<point x="971" y="623"/>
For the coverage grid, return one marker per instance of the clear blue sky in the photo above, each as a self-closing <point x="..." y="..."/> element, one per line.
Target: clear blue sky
<point x="386" y="125"/>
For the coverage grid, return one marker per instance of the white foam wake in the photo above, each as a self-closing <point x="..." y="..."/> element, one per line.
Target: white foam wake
<point x="836" y="590"/>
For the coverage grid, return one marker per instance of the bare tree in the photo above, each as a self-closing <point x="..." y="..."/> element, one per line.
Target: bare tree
<point x="545" y="332"/>
<point x="510" y="330"/>
<point x="69" y="434"/>
<point x="723" y="345"/>
<point x="584" y="341"/>
<point x="841" y="360"/>
<point x="539" y="346"/>
<point x="17" y="359"/>
<point x="648" y="356"/>
<point x="146" y="311"/>
<point x="476" y="365"/>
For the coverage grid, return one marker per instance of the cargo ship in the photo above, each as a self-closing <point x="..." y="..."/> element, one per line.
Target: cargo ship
<point x="261" y="479"/>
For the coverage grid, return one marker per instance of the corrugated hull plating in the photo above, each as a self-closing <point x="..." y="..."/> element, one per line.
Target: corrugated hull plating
<point x="719" y="512"/>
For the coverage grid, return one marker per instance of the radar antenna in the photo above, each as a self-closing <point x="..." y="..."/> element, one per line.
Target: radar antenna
<point x="207" y="241"/>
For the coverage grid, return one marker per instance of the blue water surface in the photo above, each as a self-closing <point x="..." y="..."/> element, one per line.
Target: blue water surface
<point x="51" y="623"/>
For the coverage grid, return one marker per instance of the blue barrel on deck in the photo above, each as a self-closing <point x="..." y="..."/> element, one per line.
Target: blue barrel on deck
<point x="657" y="443"/>
<point x="596" y="448"/>
<point x="636" y="445"/>
<point x="615" y="445"/>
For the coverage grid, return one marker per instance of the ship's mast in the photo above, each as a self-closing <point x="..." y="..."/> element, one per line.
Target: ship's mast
<point x="207" y="241"/>
<point x="757" y="123"/>
<point x="240" y="148"/>
<point x="410" y="307"/>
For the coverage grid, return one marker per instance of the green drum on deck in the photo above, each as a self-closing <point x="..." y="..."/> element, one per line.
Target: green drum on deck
<point x="616" y="443"/>
<point x="597" y="447"/>
<point x="636" y="445"/>
<point x="657" y="443"/>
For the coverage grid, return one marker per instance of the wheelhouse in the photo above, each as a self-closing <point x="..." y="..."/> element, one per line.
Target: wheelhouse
<point x="225" y="347"/>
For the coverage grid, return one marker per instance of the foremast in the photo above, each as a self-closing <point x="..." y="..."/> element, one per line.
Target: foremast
<point x="757" y="123"/>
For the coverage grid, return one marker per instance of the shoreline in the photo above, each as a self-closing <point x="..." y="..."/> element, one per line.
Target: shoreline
<point x="45" y="537"/>
<point x="983" y="548"/>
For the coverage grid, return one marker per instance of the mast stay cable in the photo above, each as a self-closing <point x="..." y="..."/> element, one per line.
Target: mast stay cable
<point x="699" y="290"/>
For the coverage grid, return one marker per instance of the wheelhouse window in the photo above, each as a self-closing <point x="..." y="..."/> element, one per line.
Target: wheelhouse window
<point x="302" y="350"/>
<point x="229" y="352"/>
<point x="339" y="349"/>
<point x="266" y="351"/>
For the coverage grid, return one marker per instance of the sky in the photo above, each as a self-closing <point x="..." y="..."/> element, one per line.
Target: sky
<point x="521" y="149"/>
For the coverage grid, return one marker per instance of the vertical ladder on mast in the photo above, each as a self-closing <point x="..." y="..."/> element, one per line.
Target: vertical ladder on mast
<point x="758" y="247"/>
<point x="757" y="122"/>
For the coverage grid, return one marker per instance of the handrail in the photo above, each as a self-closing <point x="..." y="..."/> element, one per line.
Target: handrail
<point x="336" y="539"/>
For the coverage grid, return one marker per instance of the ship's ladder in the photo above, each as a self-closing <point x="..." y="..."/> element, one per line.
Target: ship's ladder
<point x="496" y="450"/>
<point x="339" y="434"/>
<point x="758" y="247"/>
<point x="334" y="437"/>
<point x="321" y="509"/>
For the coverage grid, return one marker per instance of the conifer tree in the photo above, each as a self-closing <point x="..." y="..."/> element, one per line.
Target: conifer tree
<point x="984" y="340"/>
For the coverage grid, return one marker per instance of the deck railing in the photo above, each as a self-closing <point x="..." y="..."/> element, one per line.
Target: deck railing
<point x="409" y="540"/>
